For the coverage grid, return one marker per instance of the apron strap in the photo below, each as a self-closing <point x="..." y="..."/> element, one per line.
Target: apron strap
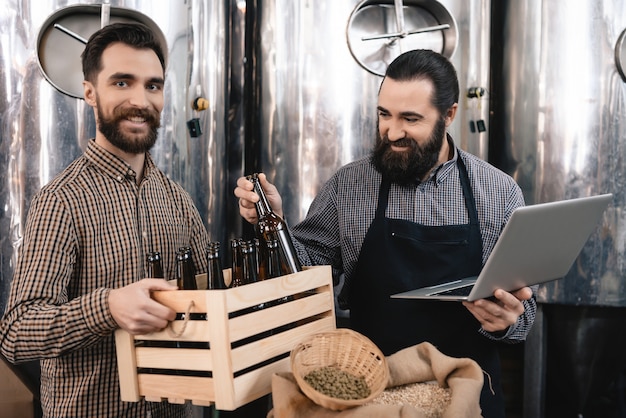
<point x="470" y="202"/>
<point x="383" y="195"/>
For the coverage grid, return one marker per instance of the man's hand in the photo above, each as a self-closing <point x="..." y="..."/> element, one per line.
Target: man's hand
<point x="501" y="313"/>
<point x="135" y="311"/>
<point x="247" y="198"/>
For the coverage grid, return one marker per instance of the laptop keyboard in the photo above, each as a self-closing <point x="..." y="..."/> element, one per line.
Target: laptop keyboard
<point x="459" y="291"/>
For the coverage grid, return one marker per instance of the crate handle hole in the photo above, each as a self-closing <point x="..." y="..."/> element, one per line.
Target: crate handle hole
<point x="170" y="326"/>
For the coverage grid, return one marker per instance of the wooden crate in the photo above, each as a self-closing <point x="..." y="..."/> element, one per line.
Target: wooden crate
<point x="242" y="353"/>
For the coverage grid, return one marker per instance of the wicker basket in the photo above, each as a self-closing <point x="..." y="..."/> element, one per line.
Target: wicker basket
<point x="346" y="350"/>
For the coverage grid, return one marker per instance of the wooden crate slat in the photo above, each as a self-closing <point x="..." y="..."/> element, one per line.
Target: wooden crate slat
<point x="220" y="348"/>
<point x="174" y="358"/>
<point x="127" y="366"/>
<point x="257" y="383"/>
<point x="197" y="330"/>
<point x="258" y="351"/>
<point x="253" y="294"/>
<point x="176" y="388"/>
<point x="266" y="319"/>
<point x="179" y="300"/>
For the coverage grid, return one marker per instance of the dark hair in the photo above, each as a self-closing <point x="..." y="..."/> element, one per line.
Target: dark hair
<point x="136" y="35"/>
<point x="428" y="64"/>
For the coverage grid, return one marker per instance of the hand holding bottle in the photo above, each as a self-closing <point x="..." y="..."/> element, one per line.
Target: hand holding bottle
<point x="247" y="198"/>
<point x="271" y="226"/>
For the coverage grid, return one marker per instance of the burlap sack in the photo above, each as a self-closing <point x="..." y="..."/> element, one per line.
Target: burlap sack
<point x="420" y="363"/>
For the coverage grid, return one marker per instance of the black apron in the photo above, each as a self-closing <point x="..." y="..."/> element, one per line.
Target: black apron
<point x="398" y="255"/>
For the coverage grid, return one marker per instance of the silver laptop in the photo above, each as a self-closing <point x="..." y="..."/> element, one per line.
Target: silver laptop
<point x="538" y="244"/>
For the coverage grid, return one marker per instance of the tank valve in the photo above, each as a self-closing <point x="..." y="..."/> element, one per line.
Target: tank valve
<point x="200" y="103"/>
<point x="193" y="124"/>
<point x="475" y="94"/>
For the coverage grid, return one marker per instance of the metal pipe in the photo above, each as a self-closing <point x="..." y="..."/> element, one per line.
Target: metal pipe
<point x="105" y="14"/>
<point x="70" y="33"/>
<point x="403" y="34"/>
<point x="398" y="5"/>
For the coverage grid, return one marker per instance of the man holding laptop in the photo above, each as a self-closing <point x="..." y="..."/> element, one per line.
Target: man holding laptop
<point x="417" y="212"/>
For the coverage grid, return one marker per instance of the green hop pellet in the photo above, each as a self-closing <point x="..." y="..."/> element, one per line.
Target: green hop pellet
<point x="337" y="383"/>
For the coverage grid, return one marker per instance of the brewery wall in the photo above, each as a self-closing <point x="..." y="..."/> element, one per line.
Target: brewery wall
<point x="564" y="119"/>
<point x="558" y="127"/>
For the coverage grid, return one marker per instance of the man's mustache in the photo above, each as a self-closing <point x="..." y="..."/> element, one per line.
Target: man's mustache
<point x="402" y="142"/>
<point x="149" y="116"/>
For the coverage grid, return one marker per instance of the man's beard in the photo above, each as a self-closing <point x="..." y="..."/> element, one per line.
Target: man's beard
<point x="110" y="128"/>
<point x="410" y="166"/>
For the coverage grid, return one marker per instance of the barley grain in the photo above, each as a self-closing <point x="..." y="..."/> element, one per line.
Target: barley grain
<point x="429" y="398"/>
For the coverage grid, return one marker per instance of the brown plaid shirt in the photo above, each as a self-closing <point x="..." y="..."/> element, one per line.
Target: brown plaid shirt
<point x="87" y="232"/>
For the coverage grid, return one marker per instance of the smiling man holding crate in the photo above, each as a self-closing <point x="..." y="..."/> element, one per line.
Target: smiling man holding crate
<point x="81" y="268"/>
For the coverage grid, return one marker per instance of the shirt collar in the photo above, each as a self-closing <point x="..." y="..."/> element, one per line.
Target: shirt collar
<point x="112" y="165"/>
<point x="441" y="172"/>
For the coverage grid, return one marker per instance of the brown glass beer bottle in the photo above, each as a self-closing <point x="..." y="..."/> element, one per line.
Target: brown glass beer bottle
<point x="249" y="266"/>
<point x="186" y="273"/>
<point x="155" y="268"/>
<point x="215" y="274"/>
<point x="274" y="268"/>
<point x="236" y="260"/>
<point x="272" y="227"/>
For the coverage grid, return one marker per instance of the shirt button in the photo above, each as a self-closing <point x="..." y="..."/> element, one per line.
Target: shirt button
<point x="119" y="178"/>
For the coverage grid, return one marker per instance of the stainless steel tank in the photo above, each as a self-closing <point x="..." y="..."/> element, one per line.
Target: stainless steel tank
<point x="317" y="81"/>
<point x="564" y="129"/>
<point x="565" y="126"/>
<point x="45" y="125"/>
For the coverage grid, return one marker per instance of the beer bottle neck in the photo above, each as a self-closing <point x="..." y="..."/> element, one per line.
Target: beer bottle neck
<point x="155" y="268"/>
<point x="262" y="206"/>
<point x="249" y="263"/>
<point x="186" y="271"/>
<point x="215" y="277"/>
